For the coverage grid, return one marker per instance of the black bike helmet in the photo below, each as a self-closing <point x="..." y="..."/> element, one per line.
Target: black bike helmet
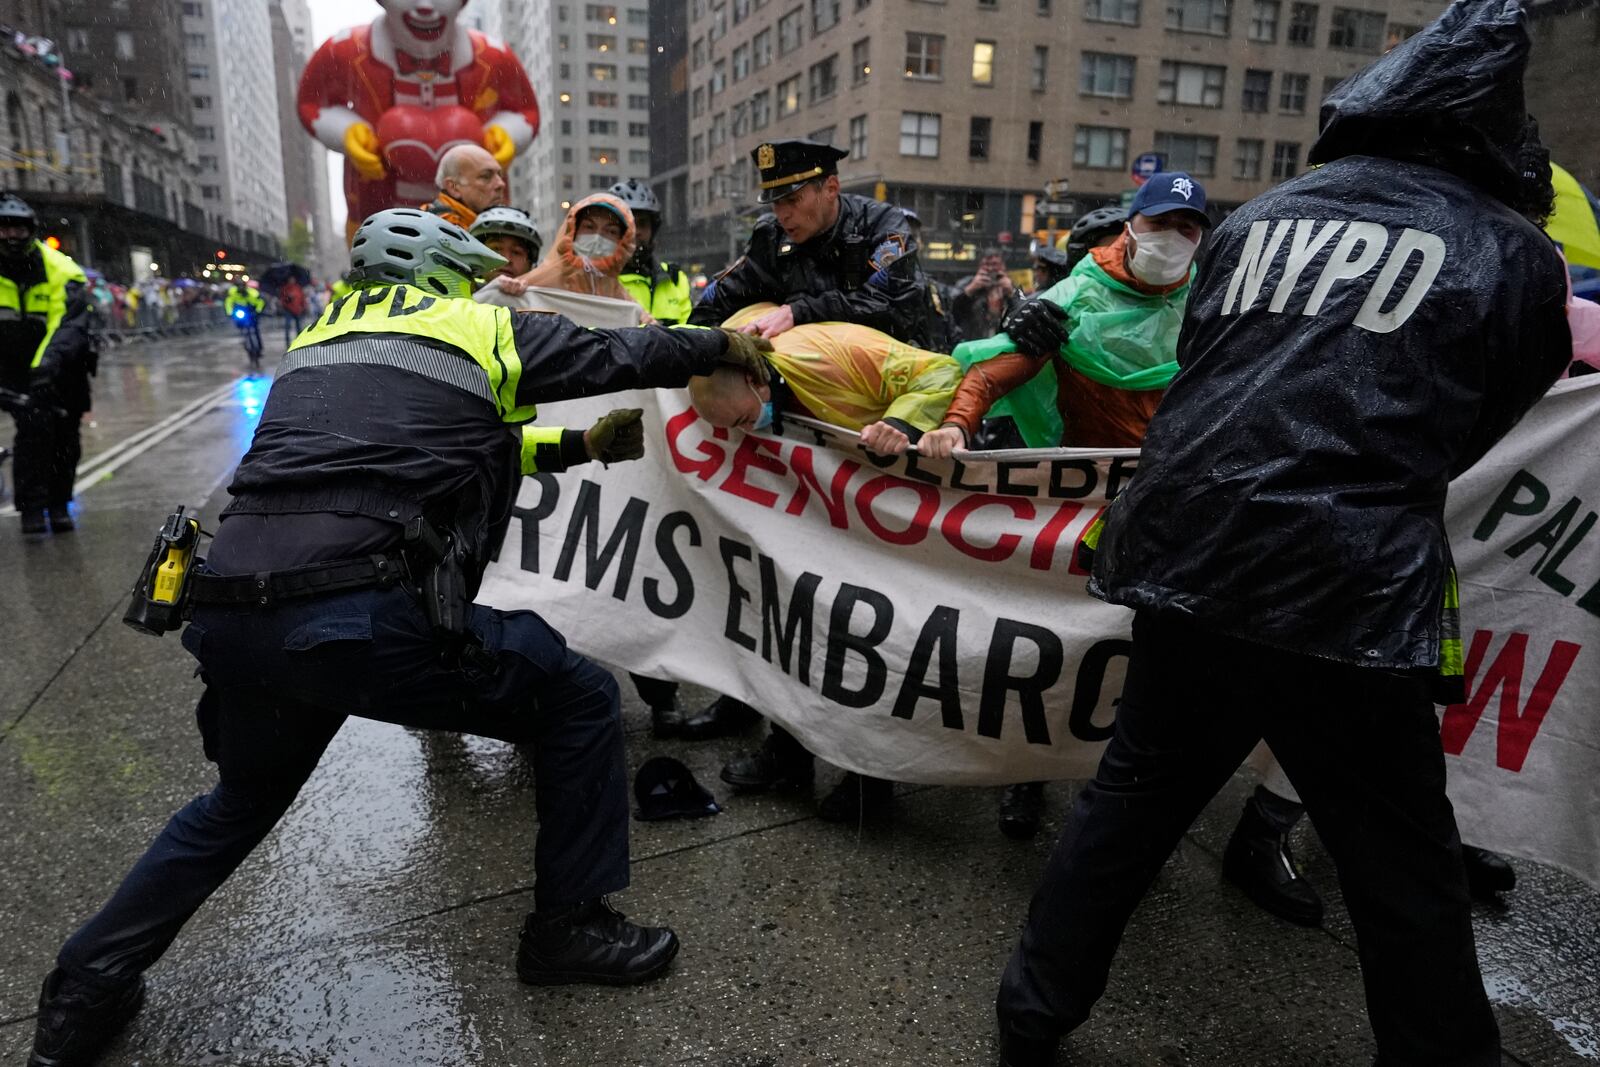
<point x="1090" y="228"/>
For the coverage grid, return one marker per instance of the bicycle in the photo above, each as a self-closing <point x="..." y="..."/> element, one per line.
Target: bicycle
<point x="248" y="322"/>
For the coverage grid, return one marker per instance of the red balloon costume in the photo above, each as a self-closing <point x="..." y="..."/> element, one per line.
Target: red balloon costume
<point x="393" y="96"/>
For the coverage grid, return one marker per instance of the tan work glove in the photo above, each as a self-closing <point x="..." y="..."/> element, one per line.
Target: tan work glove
<point x="616" y="436"/>
<point x="748" y="353"/>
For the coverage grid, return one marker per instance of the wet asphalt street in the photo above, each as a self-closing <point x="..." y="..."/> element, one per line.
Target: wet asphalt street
<point x="377" y="925"/>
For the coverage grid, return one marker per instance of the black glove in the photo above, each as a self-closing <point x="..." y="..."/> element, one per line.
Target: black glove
<point x="43" y="392"/>
<point x="748" y="352"/>
<point x="616" y="436"/>
<point x="1038" y="327"/>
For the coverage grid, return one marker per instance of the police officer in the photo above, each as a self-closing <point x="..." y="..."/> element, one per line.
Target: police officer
<point x="45" y="353"/>
<point x="339" y="583"/>
<point x="822" y="256"/>
<point x="661" y="288"/>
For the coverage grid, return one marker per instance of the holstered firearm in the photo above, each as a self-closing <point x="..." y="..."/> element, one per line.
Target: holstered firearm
<point x="439" y="567"/>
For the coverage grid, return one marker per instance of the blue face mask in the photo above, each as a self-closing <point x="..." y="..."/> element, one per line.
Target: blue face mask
<point x="765" y="419"/>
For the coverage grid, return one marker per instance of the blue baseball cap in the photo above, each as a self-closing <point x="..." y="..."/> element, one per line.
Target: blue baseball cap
<point x="1170" y="191"/>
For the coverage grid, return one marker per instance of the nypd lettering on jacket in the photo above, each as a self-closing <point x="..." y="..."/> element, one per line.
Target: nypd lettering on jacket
<point x="1296" y="266"/>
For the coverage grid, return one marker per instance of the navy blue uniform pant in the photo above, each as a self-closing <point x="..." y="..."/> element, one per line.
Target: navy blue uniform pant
<point x="281" y="681"/>
<point x="1362" y="748"/>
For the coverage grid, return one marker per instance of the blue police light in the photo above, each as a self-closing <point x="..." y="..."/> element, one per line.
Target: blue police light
<point x="238" y="313"/>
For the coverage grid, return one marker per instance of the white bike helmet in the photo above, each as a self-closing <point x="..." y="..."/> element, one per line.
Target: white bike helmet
<point x="509" y="222"/>
<point x="404" y="246"/>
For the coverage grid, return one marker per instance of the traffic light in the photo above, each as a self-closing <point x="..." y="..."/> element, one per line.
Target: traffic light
<point x="53" y="242"/>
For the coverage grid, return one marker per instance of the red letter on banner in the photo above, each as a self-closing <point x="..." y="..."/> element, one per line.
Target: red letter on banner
<point x="1517" y="728"/>
<point x="1004" y="546"/>
<point x="1044" y="546"/>
<point x="927" y="507"/>
<point x="748" y="455"/>
<point x="801" y="461"/>
<point x="701" y="468"/>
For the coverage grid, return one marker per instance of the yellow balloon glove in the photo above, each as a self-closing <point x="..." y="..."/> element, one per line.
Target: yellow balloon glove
<point x="498" y="143"/>
<point x="361" y="148"/>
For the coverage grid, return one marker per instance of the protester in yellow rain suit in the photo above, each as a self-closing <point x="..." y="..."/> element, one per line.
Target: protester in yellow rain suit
<point x="849" y="375"/>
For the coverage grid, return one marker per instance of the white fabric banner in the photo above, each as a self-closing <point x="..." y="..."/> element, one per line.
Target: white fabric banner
<point x="927" y="621"/>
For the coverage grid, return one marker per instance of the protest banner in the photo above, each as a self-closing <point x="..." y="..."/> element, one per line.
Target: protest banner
<point x="927" y="621"/>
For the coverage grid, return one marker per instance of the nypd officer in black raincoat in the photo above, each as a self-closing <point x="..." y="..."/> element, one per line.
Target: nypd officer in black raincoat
<point x="821" y="256"/>
<point x="1357" y="337"/>
<point x="340" y="583"/>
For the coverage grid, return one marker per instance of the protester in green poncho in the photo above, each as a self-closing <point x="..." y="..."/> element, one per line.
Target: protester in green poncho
<point x="1085" y="364"/>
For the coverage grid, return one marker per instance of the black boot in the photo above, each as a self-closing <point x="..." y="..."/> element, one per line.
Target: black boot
<point x="1021" y="807"/>
<point x="780" y="763"/>
<point x="1019" y="1051"/>
<point x="720" y="718"/>
<point x="77" y="1020"/>
<point x="61" y="519"/>
<point x="1488" y="874"/>
<point x="666" y="715"/>
<point x="857" y="798"/>
<point x="591" y="942"/>
<point x="34" y="523"/>
<point x="1259" y="862"/>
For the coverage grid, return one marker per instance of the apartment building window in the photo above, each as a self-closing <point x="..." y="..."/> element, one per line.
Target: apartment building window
<point x="983" y="63"/>
<point x="603" y="72"/>
<point x="566" y="155"/>
<point x="697" y="194"/>
<point x="924" y="56"/>
<point x="566" y="127"/>
<point x="1292" y="91"/>
<point x="199" y="72"/>
<point x="1303" y="25"/>
<point x="697" y="101"/>
<point x="639" y="157"/>
<point x="1190" y="152"/>
<point x="858" y="137"/>
<point x="200" y="102"/>
<point x="1285" y="160"/>
<point x="1198" y="16"/>
<point x="1039" y="72"/>
<point x="564" y="70"/>
<point x="719" y="76"/>
<point x="638" y="46"/>
<point x="788" y="96"/>
<point x="1124" y="11"/>
<point x="606" y="157"/>
<point x="638" y="129"/>
<point x="824" y="78"/>
<point x="1101" y="147"/>
<point x="719" y="131"/>
<point x="602" y="99"/>
<point x="697" y="53"/>
<point x="741" y="63"/>
<point x="1329" y="84"/>
<point x="988" y="5"/>
<point x="638" y="16"/>
<point x="125" y="43"/>
<point x="1043" y="7"/>
<point x="1257" y="95"/>
<point x="741" y="11"/>
<point x="919" y="134"/>
<point x="638" y="74"/>
<point x="1191" y="84"/>
<point x="601" y="182"/>
<point x="824" y="15"/>
<point x="789" y="32"/>
<point x="860" y="61"/>
<point x="210" y="192"/>
<point x="603" y="127"/>
<point x="638" y="102"/>
<point x="1106" y="75"/>
<point x="567" y="180"/>
<point x="1356" y="31"/>
<point x="822" y="136"/>
<point x="194" y="9"/>
<point x="602" y="42"/>
<point x="563" y="42"/>
<point x="978" y="134"/>
<point x="599" y="13"/>
<point x="761" y="46"/>
<point x="719" y="23"/>
<point x="561" y="16"/>
<point x="1264" y="20"/>
<point x="1399" y="33"/>
<point x="1247" y="160"/>
<point x="1035" y="141"/>
<point x="760" y="110"/>
<point x="697" y="148"/>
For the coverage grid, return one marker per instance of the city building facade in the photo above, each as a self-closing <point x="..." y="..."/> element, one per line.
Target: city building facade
<point x="1566" y="40"/>
<point x="969" y="110"/>
<point x="590" y="67"/>
<point x="305" y="160"/>
<point x="234" y="95"/>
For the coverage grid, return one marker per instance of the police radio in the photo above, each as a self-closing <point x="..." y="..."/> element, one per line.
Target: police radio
<point x="161" y="595"/>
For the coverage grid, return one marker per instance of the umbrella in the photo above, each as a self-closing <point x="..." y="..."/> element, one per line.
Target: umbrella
<point x="184" y="283"/>
<point x="278" y="273"/>
<point x="1573" y="222"/>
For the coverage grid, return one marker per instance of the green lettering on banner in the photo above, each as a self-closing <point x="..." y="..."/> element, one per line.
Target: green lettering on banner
<point x="1507" y="503"/>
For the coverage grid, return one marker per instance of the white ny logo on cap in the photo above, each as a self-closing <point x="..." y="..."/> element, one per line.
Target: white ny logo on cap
<point x="1183" y="187"/>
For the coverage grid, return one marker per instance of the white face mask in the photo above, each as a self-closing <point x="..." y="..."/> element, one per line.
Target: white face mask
<point x="594" y="246"/>
<point x="1161" y="257"/>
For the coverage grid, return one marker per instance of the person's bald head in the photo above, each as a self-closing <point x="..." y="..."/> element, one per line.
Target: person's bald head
<point x="728" y="398"/>
<point x="473" y="176"/>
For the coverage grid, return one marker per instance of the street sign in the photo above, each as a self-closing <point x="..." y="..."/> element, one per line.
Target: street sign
<point x="1059" y="208"/>
<point x="1146" y="165"/>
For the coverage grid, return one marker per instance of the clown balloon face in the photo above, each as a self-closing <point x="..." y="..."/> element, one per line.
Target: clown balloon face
<point x="421" y="27"/>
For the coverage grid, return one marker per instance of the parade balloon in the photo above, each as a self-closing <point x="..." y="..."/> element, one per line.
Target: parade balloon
<point x="413" y="138"/>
